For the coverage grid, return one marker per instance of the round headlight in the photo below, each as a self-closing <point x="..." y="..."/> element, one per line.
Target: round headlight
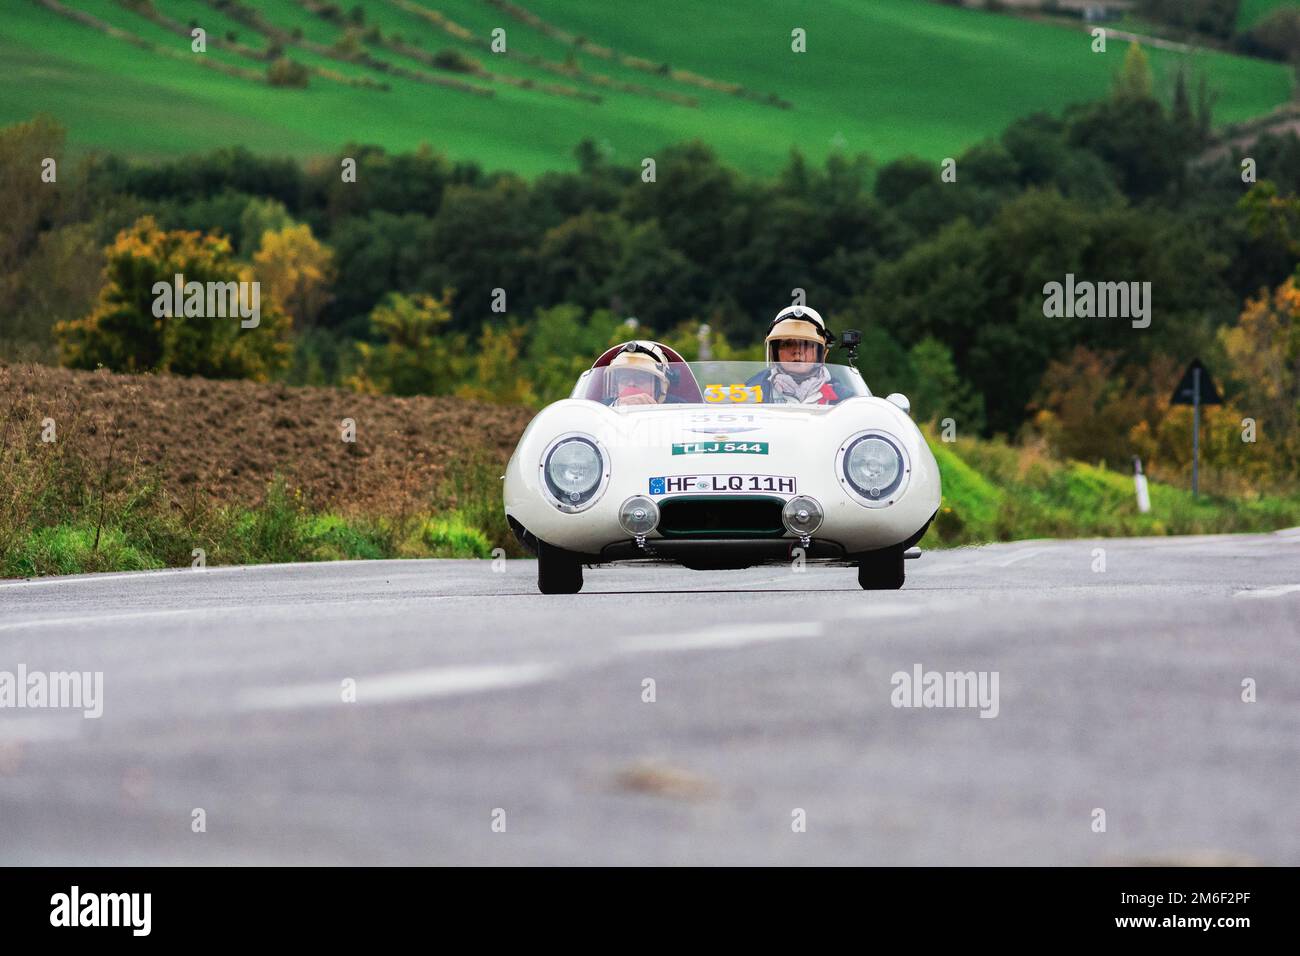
<point x="874" y="467"/>
<point x="573" y="469"/>
<point x="638" y="516"/>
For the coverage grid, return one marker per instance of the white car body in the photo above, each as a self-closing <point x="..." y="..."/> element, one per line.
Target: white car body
<point x="696" y="461"/>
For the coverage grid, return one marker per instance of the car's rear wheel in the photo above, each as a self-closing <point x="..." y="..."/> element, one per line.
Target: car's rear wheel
<point x="882" y="570"/>
<point x="558" y="571"/>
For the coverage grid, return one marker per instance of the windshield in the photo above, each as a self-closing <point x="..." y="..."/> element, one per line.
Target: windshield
<point x="724" y="383"/>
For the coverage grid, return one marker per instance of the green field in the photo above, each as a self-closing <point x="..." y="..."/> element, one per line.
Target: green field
<point x="1252" y="11"/>
<point x="887" y="77"/>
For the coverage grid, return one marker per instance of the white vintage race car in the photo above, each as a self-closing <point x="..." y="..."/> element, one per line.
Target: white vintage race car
<point x="715" y="478"/>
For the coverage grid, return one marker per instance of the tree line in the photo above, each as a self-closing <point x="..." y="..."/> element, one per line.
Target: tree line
<point x="395" y="282"/>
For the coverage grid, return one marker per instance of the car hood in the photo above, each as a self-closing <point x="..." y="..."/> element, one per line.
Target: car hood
<point x="659" y="425"/>
<point x="654" y="430"/>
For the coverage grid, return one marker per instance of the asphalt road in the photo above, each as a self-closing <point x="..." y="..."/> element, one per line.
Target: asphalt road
<point x="479" y="700"/>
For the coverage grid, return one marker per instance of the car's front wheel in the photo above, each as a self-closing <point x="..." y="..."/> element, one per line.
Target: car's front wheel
<point x="558" y="571"/>
<point x="882" y="570"/>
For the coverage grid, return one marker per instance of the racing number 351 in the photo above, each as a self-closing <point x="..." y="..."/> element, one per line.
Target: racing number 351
<point x="732" y="393"/>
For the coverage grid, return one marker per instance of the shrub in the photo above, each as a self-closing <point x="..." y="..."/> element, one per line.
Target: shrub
<point x="452" y="537"/>
<point x="287" y="72"/>
<point x="455" y="61"/>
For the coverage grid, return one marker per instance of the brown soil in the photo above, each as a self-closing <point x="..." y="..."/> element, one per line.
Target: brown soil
<point x="228" y="439"/>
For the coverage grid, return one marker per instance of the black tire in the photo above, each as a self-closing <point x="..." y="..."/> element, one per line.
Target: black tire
<point x="558" y="571"/>
<point x="882" y="570"/>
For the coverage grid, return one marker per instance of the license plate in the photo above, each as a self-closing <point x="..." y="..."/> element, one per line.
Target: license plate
<point x="721" y="485"/>
<point x="720" y="448"/>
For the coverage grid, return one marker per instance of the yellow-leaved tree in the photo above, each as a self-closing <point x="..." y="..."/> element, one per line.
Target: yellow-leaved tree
<point x="128" y="331"/>
<point x="1264" y="352"/>
<point x="296" y="270"/>
<point x="498" y="372"/>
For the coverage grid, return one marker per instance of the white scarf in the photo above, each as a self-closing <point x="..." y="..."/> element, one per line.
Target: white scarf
<point x="805" y="392"/>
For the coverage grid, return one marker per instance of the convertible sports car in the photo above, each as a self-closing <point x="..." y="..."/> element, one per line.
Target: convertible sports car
<point x="712" y="477"/>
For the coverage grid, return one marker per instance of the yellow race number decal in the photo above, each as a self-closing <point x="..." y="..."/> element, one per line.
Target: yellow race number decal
<point x="716" y="394"/>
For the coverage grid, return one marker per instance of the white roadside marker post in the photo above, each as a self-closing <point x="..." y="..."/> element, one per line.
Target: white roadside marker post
<point x="1140" y="486"/>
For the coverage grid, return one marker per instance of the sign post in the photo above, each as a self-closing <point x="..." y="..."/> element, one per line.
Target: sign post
<point x="1196" y="388"/>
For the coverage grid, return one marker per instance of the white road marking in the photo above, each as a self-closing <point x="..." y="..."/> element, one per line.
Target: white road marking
<point x="113" y="618"/>
<point x="1270" y="592"/>
<point x="452" y="681"/>
<point x="399" y="686"/>
<point x="884" y="611"/>
<point x="1022" y="556"/>
<point x="726" y="635"/>
<point x="376" y="566"/>
<point x="253" y="610"/>
<point x="36" y="729"/>
<point x="116" y="576"/>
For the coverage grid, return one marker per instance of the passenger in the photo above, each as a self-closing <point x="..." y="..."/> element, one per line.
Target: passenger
<point x="637" y="375"/>
<point x="796" y="373"/>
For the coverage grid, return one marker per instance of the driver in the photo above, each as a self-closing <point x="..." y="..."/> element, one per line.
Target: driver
<point x="637" y="375"/>
<point x="796" y="373"/>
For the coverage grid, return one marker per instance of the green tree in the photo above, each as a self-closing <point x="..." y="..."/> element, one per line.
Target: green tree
<point x="694" y="199"/>
<point x="379" y="253"/>
<point x="651" y="279"/>
<point x="481" y="240"/>
<point x="416" y="354"/>
<point x="562" y="343"/>
<point x="576" y="260"/>
<point x="939" y="391"/>
<point x="900" y="178"/>
<point x="1131" y="133"/>
<point x="29" y="204"/>
<point x="259" y="217"/>
<point x="60" y="280"/>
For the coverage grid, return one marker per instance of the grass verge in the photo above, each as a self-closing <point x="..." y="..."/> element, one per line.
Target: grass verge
<point x="79" y="505"/>
<point x="993" y="491"/>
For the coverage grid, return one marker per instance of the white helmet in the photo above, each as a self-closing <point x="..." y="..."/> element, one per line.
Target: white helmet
<point x="638" y="359"/>
<point x="800" y="323"/>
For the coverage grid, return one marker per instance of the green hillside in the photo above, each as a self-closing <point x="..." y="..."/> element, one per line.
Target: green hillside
<point x="887" y="77"/>
<point x="1252" y="11"/>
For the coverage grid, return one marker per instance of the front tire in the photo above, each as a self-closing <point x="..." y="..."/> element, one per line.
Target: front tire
<point x="558" y="571"/>
<point x="882" y="570"/>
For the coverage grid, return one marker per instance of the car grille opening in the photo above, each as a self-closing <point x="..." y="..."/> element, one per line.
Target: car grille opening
<point x="716" y="517"/>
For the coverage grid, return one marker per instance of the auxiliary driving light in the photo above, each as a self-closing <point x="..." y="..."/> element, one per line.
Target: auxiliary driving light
<point x="638" y="516"/>
<point x="802" y="515"/>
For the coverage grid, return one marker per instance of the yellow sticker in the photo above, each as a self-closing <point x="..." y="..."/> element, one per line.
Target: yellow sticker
<point x="716" y="394"/>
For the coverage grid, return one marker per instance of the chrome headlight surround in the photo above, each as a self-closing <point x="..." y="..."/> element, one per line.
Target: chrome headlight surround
<point x="889" y="493"/>
<point x="564" y="501"/>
